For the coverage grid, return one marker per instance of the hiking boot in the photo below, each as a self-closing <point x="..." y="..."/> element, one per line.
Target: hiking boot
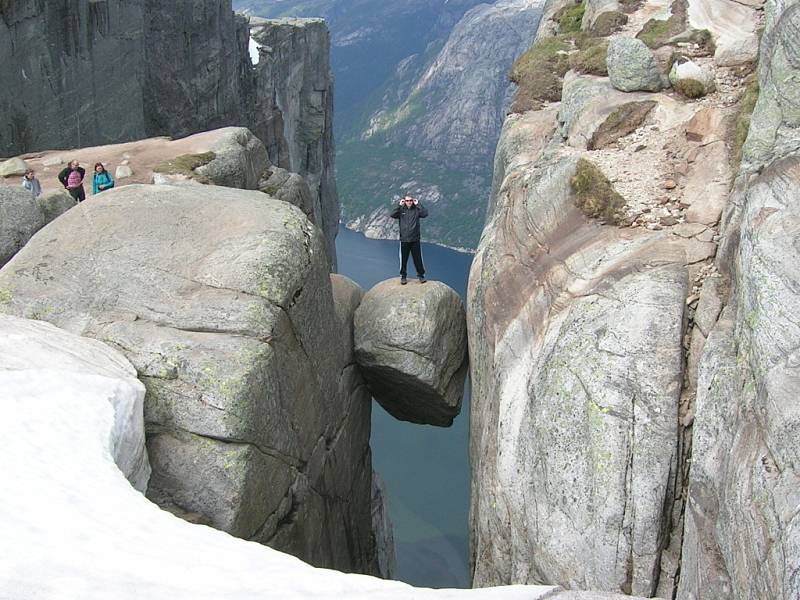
<point x="422" y="279"/>
<point x="403" y="280"/>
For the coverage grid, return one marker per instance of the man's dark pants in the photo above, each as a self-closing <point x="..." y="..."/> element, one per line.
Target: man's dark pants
<point x="415" y="249"/>
<point x="78" y="194"/>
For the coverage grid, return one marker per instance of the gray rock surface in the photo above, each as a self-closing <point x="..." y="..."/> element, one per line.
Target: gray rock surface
<point x="240" y="159"/>
<point x="294" y="110"/>
<point x="594" y="8"/>
<point x="289" y="187"/>
<point x="13" y="167"/>
<point x="383" y="528"/>
<point x="54" y="204"/>
<point x="411" y="347"/>
<point x="257" y="417"/>
<point x="733" y="25"/>
<point x="584" y="120"/>
<point x="776" y="119"/>
<point x="575" y="333"/>
<point x="20" y="218"/>
<point x="741" y="535"/>
<point x="632" y="66"/>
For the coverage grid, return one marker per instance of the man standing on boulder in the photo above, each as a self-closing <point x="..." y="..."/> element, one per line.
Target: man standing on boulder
<point x="72" y="179"/>
<point x="408" y="214"/>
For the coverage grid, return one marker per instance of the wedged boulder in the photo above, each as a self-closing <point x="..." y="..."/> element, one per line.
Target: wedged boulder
<point x="632" y="66"/>
<point x="575" y="333"/>
<point x="691" y="80"/>
<point x="36" y="357"/>
<point x="411" y="347"/>
<point x="20" y="218"/>
<point x="257" y="417"/>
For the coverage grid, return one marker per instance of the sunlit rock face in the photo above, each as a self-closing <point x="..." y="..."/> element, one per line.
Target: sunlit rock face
<point x="742" y="537"/>
<point x="257" y="417"/>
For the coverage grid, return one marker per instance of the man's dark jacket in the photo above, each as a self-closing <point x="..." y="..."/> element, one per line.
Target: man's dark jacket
<point x="64" y="175"/>
<point x="409" y="221"/>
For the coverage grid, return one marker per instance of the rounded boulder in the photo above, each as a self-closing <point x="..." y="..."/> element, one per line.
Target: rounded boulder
<point x="411" y="348"/>
<point x="632" y="66"/>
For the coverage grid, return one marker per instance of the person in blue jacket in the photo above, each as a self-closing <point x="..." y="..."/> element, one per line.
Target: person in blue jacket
<point x="102" y="180"/>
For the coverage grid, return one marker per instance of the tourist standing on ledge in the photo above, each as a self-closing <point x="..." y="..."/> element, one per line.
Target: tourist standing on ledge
<point x="31" y="183"/>
<point x="408" y="214"/>
<point x="102" y="180"/>
<point x="72" y="179"/>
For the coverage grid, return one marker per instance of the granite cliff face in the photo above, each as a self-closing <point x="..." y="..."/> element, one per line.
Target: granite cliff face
<point x="632" y="344"/>
<point x="116" y="71"/>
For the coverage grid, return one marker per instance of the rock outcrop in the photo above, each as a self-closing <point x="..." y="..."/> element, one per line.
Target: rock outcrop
<point x="71" y="427"/>
<point x="742" y="538"/>
<point x="591" y="328"/>
<point x="177" y="70"/>
<point x="21" y="216"/>
<point x="257" y="418"/>
<point x="576" y="353"/>
<point x="411" y="347"/>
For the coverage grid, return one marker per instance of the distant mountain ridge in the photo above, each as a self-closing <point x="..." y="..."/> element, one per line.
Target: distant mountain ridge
<point x="421" y="93"/>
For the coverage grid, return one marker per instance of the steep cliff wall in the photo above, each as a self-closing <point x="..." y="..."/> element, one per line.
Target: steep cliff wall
<point x="72" y="74"/>
<point x="294" y="109"/>
<point x="632" y="312"/>
<point x="83" y="73"/>
<point x="742" y="534"/>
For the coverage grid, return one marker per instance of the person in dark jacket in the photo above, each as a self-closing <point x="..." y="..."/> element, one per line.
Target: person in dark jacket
<point x="102" y="179"/>
<point x="408" y="214"/>
<point x="72" y="179"/>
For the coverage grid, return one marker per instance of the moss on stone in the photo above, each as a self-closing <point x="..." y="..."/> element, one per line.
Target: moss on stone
<point x="623" y="120"/>
<point x="5" y="296"/>
<point x="691" y="88"/>
<point x="657" y="32"/>
<point x="591" y="59"/>
<point x="570" y="17"/>
<point x="538" y="73"/>
<point x="746" y="106"/>
<point x="594" y="194"/>
<point x="608" y="22"/>
<point x="185" y="164"/>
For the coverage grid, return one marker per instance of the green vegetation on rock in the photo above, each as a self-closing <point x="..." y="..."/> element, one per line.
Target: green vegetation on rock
<point x="608" y="22"/>
<point x="746" y="106"/>
<point x="691" y="88"/>
<point x="657" y="32"/>
<point x="539" y="72"/>
<point x="570" y="17"/>
<point x="623" y="120"/>
<point x="591" y="59"/>
<point x="594" y="194"/>
<point x="185" y="164"/>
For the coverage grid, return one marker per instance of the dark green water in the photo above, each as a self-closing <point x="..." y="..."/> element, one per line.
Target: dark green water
<point x="426" y="469"/>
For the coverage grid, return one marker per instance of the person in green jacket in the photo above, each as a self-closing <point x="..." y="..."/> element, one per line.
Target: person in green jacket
<point x="102" y="180"/>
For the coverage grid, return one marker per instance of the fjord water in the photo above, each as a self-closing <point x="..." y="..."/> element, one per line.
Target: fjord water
<point x="425" y="468"/>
